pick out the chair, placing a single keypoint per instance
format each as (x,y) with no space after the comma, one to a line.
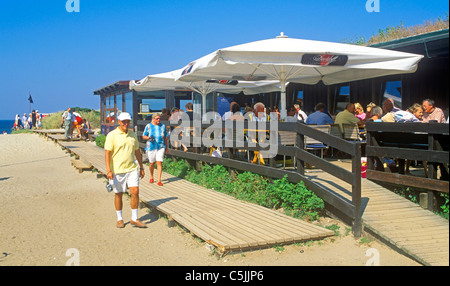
(335,130)
(351,132)
(239,137)
(287,138)
(313,144)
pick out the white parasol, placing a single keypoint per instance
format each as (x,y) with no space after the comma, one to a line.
(166,81)
(302,61)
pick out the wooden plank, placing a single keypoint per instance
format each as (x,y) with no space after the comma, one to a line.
(203,232)
(255,208)
(253,213)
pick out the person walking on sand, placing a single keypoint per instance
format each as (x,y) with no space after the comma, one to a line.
(121,151)
(156,135)
(66,120)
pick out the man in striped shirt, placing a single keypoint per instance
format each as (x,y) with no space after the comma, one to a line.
(156,135)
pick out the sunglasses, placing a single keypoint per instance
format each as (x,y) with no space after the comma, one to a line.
(157,118)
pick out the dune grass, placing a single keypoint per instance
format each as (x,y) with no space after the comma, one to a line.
(400,31)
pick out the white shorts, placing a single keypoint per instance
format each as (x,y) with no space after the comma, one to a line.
(120,182)
(156,155)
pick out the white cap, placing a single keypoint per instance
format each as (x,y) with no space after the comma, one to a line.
(124,116)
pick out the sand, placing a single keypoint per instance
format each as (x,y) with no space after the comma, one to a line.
(51,215)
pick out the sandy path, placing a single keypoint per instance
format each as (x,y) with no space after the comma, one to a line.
(47,207)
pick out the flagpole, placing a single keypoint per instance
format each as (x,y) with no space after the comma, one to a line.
(29,100)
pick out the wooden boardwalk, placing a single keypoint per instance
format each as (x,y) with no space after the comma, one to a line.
(400,223)
(220,220)
(230,224)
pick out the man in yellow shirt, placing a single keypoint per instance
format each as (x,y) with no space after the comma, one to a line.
(121,150)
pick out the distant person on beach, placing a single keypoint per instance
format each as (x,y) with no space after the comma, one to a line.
(16,122)
(431,112)
(24,121)
(76,123)
(38,123)
(30,122)
(33,119)
(85,129)
(155,134)
(121,153)
(66,121)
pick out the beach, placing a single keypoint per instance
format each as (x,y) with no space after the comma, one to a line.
(49,211)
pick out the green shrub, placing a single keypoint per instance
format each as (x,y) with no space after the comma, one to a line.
(444,207)
(100,140)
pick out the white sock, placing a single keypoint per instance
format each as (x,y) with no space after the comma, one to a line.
(119,215)
(134,214)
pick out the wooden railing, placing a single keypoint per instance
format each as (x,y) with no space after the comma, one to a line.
(351,209)
(426,142)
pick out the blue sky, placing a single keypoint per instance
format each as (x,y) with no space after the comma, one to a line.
(61,57)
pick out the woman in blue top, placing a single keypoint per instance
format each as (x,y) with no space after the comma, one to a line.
(156,135)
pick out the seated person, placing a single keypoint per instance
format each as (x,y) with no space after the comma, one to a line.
(431,112)
(291,114)
(319,117)
(389,111)
(165,114)
(376,113)
(360,111)
(348,117)
(413,114)
(85,129)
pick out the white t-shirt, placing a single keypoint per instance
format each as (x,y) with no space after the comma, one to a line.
(301,114)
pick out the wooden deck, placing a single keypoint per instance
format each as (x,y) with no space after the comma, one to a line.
(400,223)
(56,134)
(230,224)
(220,220)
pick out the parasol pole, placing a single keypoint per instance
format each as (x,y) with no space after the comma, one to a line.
(283,112)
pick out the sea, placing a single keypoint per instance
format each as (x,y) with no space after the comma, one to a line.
(6,125)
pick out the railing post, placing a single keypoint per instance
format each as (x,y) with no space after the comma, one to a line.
(432,174)
(301,145)
(356,190)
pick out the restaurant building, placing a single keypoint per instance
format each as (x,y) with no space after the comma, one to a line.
(429,81)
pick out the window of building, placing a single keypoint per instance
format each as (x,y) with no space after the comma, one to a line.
(119,102)
(155,99)
(393,91)
(342,98)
